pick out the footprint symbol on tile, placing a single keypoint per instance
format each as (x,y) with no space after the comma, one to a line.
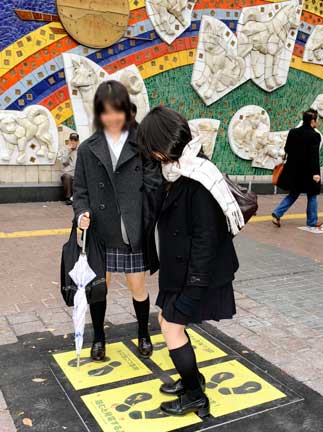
(218,379)
(132,400)
(83,362)
(246,388)
(158,346)
(105,370)
(152,414)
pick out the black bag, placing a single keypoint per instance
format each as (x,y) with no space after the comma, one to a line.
(247,201)
(96,291)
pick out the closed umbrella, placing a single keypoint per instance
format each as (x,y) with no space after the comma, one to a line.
(82,275)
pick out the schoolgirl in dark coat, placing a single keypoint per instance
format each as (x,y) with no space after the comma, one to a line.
(108,196)
(193,250)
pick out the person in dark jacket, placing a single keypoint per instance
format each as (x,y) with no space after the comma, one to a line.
(301,173)
(188,239)
(108,195)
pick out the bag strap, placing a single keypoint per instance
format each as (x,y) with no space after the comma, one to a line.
(73,234)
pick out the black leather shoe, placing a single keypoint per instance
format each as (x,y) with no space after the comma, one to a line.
(98,351)
(184,405)
(177,389)
(145,347)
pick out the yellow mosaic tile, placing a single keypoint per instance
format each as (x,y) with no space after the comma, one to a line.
(167,62)
(136,4)
(62,112)
(313,69)
(312,6)
(28,45)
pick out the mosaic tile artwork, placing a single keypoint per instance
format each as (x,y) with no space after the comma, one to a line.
(32,71)
(313,52)
(170,18)
(261,50)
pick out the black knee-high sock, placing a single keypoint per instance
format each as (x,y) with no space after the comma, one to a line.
(142,314)
(185,363)
(97,314)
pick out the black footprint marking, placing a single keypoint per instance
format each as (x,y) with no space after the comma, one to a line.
(105,369)
(152,414)
(83,361)
(246,388)
(218,379)
(132,400)
(158,346)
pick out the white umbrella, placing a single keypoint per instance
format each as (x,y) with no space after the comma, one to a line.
(82,275)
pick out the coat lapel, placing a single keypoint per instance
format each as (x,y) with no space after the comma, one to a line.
(173,194)
(99,147)
(129,150)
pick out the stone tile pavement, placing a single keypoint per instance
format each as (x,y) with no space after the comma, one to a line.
(279,292)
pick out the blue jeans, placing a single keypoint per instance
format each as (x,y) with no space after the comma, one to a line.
(289,200)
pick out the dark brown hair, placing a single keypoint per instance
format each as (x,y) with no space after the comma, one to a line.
(116,95)
(309,115)
(164,131)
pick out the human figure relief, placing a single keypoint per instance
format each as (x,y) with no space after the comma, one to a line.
(86,81)
(136,88)
(221,69)
(265,41)
(314,46)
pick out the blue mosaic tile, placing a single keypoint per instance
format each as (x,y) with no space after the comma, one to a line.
(12,27)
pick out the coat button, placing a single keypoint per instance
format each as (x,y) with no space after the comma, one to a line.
(117,172)
(102,206)
(175,204)
(137,168)
(99,163)
(101,185)
(179,258)
(175,233)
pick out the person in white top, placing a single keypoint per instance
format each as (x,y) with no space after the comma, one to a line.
(108,199)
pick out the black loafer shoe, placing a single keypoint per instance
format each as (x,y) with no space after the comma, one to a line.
(145,347)
(176,388)
(98,351)
(183,405)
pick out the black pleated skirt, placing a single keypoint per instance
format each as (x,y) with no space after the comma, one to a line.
(217,304)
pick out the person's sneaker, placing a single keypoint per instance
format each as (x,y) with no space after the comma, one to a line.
(276,220)
(69,201)
(318,226)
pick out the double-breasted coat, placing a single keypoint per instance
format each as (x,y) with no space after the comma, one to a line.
(195,247)
(109,194)
(303,161)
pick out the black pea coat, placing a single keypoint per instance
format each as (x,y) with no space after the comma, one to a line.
(303,161)
(106,194)
(195,247)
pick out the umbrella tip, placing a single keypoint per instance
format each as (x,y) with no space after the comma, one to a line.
(78,361)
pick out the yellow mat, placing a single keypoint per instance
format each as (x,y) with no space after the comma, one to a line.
(120,364)
(232,387)
(204,350)
(134,408)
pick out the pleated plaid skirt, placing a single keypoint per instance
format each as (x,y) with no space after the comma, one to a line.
(125,261)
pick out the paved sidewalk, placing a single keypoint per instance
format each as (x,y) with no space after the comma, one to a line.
(279,289)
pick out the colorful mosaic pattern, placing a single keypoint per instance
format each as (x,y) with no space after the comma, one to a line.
(31,68)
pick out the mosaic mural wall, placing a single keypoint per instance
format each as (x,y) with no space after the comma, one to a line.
(32,41)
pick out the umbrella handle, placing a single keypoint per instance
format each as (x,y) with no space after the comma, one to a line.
(84,241)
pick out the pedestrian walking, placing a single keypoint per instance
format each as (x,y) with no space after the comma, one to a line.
(190,242)
(301,172)
(108,195)
(68,160)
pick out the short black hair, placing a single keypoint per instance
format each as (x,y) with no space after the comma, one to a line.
(116,95)
(133,108)
(309,115)
(165,131)
(74,136)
